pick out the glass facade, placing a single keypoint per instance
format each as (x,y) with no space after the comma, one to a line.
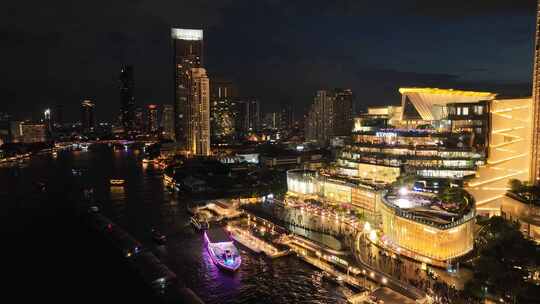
(187,47)
(440,243)
(331,190)
(302,182)
(384,154)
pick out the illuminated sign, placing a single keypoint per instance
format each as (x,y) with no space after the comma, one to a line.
(186,34)
(386,134)
(338,260)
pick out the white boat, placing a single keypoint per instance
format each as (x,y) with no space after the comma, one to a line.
(222,250)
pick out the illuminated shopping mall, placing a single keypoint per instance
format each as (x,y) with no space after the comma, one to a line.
(436,138)
(308,184)
(426,227)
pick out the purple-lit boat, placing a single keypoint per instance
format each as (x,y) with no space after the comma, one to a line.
(221,249)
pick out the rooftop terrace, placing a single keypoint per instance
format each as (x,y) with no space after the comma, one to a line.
(438,211)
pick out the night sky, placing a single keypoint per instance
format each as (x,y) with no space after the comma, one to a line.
(59,52)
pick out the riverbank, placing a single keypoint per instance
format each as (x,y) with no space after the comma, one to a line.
(142,204)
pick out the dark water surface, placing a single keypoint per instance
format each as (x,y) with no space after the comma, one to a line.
(145,203)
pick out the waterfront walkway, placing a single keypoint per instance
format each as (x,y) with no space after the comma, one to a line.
(392,282)
(327,221)
(330,269)
(371,277)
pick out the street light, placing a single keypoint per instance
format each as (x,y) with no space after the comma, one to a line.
(367,227)
(403,191)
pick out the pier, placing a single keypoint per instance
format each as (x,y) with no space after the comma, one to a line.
(255,244)
(327,263)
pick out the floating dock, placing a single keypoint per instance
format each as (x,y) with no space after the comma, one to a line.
(255,244)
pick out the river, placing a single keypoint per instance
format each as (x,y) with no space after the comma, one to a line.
(144,203)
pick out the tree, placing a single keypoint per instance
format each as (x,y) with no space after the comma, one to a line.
(504,260)
(453,195)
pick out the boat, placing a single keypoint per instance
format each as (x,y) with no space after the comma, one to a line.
(93,209)
(117,182)
(199,222)
(222,250)
(41,186)
(158,237)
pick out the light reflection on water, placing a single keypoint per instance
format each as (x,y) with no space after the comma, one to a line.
(144,203)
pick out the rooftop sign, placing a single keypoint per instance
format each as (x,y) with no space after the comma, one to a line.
(186,34)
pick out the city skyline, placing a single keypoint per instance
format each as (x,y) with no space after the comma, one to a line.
(273,151)
(353,55)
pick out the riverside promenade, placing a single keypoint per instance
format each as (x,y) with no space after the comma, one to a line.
(345,228)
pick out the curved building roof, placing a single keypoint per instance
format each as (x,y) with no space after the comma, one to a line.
(427,103)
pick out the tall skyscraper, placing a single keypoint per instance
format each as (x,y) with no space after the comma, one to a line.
(329,115)
(198,113)
(127,100)
(271,121)
(535,159)
(187,47)
(248,117)
(5,128)
(167,121)
(254,115)
(47,119)
(343,112)
(138,122)
(320,118)
(87,115)
(58,116)
(152,118)
(285,124)
(222,110)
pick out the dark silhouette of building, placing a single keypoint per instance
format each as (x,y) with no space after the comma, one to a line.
(5,128)
(127,100)
(167,121)
(87,116)
(187,45)
(138,123)
(285,124)
(249,115)
(58,116)
(329,115)
(343,112)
